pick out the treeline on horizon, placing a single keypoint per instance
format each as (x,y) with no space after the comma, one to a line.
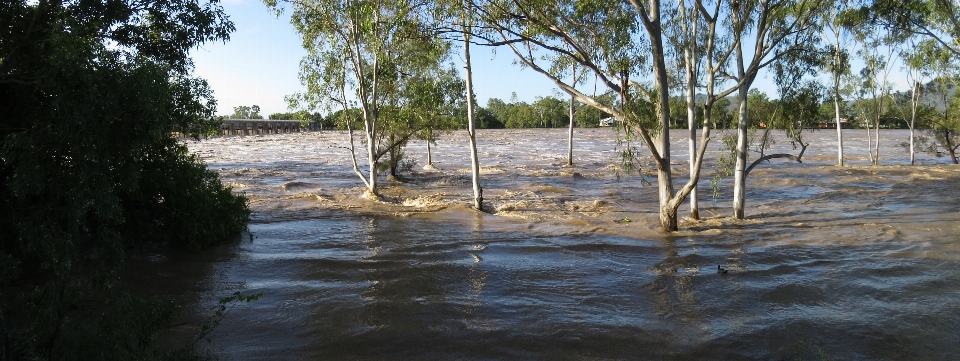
(552,112)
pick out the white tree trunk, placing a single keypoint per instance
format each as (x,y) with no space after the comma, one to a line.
(876,144)
(914,102)
(740,166)
(870,144)
(690,58)
(471,128)
(668,211)
(836,111)
(739,174)
(570,134)
(371,156)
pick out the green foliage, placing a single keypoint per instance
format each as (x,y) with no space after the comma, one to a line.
(382,57)
(639,114)
(90,94)
(341,118)
(933,20)
(545,112)
(943,129)
(487,120)
(725,163)
(184,204)
(245,112)
(303,116)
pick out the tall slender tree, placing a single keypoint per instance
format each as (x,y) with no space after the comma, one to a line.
(914,64)
(836,59)
(467,26)
(685,44)
(879,52)
(779,27)
(942,90)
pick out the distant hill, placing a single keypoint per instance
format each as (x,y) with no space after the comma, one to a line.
(930,95)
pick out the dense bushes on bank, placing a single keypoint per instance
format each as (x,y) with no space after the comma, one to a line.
(90,93)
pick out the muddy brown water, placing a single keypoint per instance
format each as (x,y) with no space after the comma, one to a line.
(856,263)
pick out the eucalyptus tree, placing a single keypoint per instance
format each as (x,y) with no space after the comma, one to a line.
(717,50)
(686,37)
(603,38)
(363,52)
(879,52)
(457,25)
(419,100)
(778,28)
(936,20)
(463,16)
(572,112)
(434,100)
(919,68)
(944,127)
(836,60)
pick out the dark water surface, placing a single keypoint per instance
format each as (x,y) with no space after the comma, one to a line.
(858,263)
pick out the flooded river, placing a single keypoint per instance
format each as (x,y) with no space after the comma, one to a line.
(854,263)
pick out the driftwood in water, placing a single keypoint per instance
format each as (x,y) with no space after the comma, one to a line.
(798,158)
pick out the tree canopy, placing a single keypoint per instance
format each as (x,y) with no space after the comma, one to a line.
(90,94)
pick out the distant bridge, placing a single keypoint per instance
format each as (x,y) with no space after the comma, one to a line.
(258,126)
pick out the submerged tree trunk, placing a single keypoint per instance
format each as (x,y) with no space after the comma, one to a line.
(372,163)
(668,211)
(368,102)
(620,82)
(471,128)
(570,134)
(798,158)
(739,171)
(876,144)
(947,139)
(392,153)
(914,103)
(429,155)
(836,110)
(690,59)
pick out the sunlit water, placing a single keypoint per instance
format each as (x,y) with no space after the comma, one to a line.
(856,263)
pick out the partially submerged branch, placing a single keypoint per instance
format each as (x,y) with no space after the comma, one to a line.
(797,158)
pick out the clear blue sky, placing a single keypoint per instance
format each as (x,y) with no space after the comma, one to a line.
(260,65)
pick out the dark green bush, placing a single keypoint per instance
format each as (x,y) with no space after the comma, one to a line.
(90,93)
(183,203)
